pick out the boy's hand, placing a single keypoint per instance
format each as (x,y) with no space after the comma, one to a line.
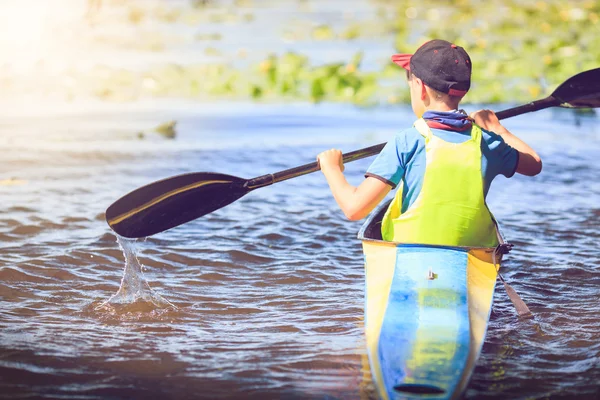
(331,159)
(488,120)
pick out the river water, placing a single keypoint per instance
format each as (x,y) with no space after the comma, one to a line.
(264,298)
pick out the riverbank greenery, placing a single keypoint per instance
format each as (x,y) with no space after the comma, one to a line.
(520,50)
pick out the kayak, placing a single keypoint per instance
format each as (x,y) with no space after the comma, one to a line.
(426,313)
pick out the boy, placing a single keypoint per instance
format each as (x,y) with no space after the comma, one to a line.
(446,162)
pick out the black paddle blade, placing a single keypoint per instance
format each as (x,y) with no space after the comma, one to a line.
(580,91)
(170,202)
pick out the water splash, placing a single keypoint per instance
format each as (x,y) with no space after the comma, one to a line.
(135,293)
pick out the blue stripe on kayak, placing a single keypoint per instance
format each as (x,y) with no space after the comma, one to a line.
(425,336)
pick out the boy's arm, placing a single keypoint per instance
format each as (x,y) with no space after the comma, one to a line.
(530,163)
(355,202)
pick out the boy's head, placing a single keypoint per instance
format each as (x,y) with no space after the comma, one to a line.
(438,72)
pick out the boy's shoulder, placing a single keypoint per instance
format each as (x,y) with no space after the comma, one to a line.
(492,139)
(408,134)
(408,139)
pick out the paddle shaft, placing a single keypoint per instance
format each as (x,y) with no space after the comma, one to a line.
(269,179)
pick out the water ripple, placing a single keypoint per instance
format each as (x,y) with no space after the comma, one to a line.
(264,299)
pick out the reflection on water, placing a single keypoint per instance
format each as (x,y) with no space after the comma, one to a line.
(264,298)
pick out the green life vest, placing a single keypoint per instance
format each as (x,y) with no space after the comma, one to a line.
(450,208)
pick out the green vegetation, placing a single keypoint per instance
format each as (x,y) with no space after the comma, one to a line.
(167,129)
(520,51)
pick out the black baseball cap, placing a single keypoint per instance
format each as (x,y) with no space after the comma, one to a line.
(441,65)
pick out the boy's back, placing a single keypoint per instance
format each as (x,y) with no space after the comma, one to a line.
(403,158)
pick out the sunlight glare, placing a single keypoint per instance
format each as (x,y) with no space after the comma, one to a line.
(29,28)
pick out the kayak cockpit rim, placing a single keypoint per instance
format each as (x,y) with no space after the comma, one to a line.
(371,232)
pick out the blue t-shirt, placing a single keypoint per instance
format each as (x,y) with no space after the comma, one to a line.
(403,159)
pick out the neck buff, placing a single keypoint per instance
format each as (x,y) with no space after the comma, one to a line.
(449,120)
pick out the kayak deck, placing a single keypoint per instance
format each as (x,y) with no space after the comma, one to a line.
(426,313)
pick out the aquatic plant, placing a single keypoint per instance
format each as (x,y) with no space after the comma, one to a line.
(520,51)
(167,129)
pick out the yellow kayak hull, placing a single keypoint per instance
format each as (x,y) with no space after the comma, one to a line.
(426,314)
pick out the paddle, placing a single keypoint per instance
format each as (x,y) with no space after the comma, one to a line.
(173,201)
